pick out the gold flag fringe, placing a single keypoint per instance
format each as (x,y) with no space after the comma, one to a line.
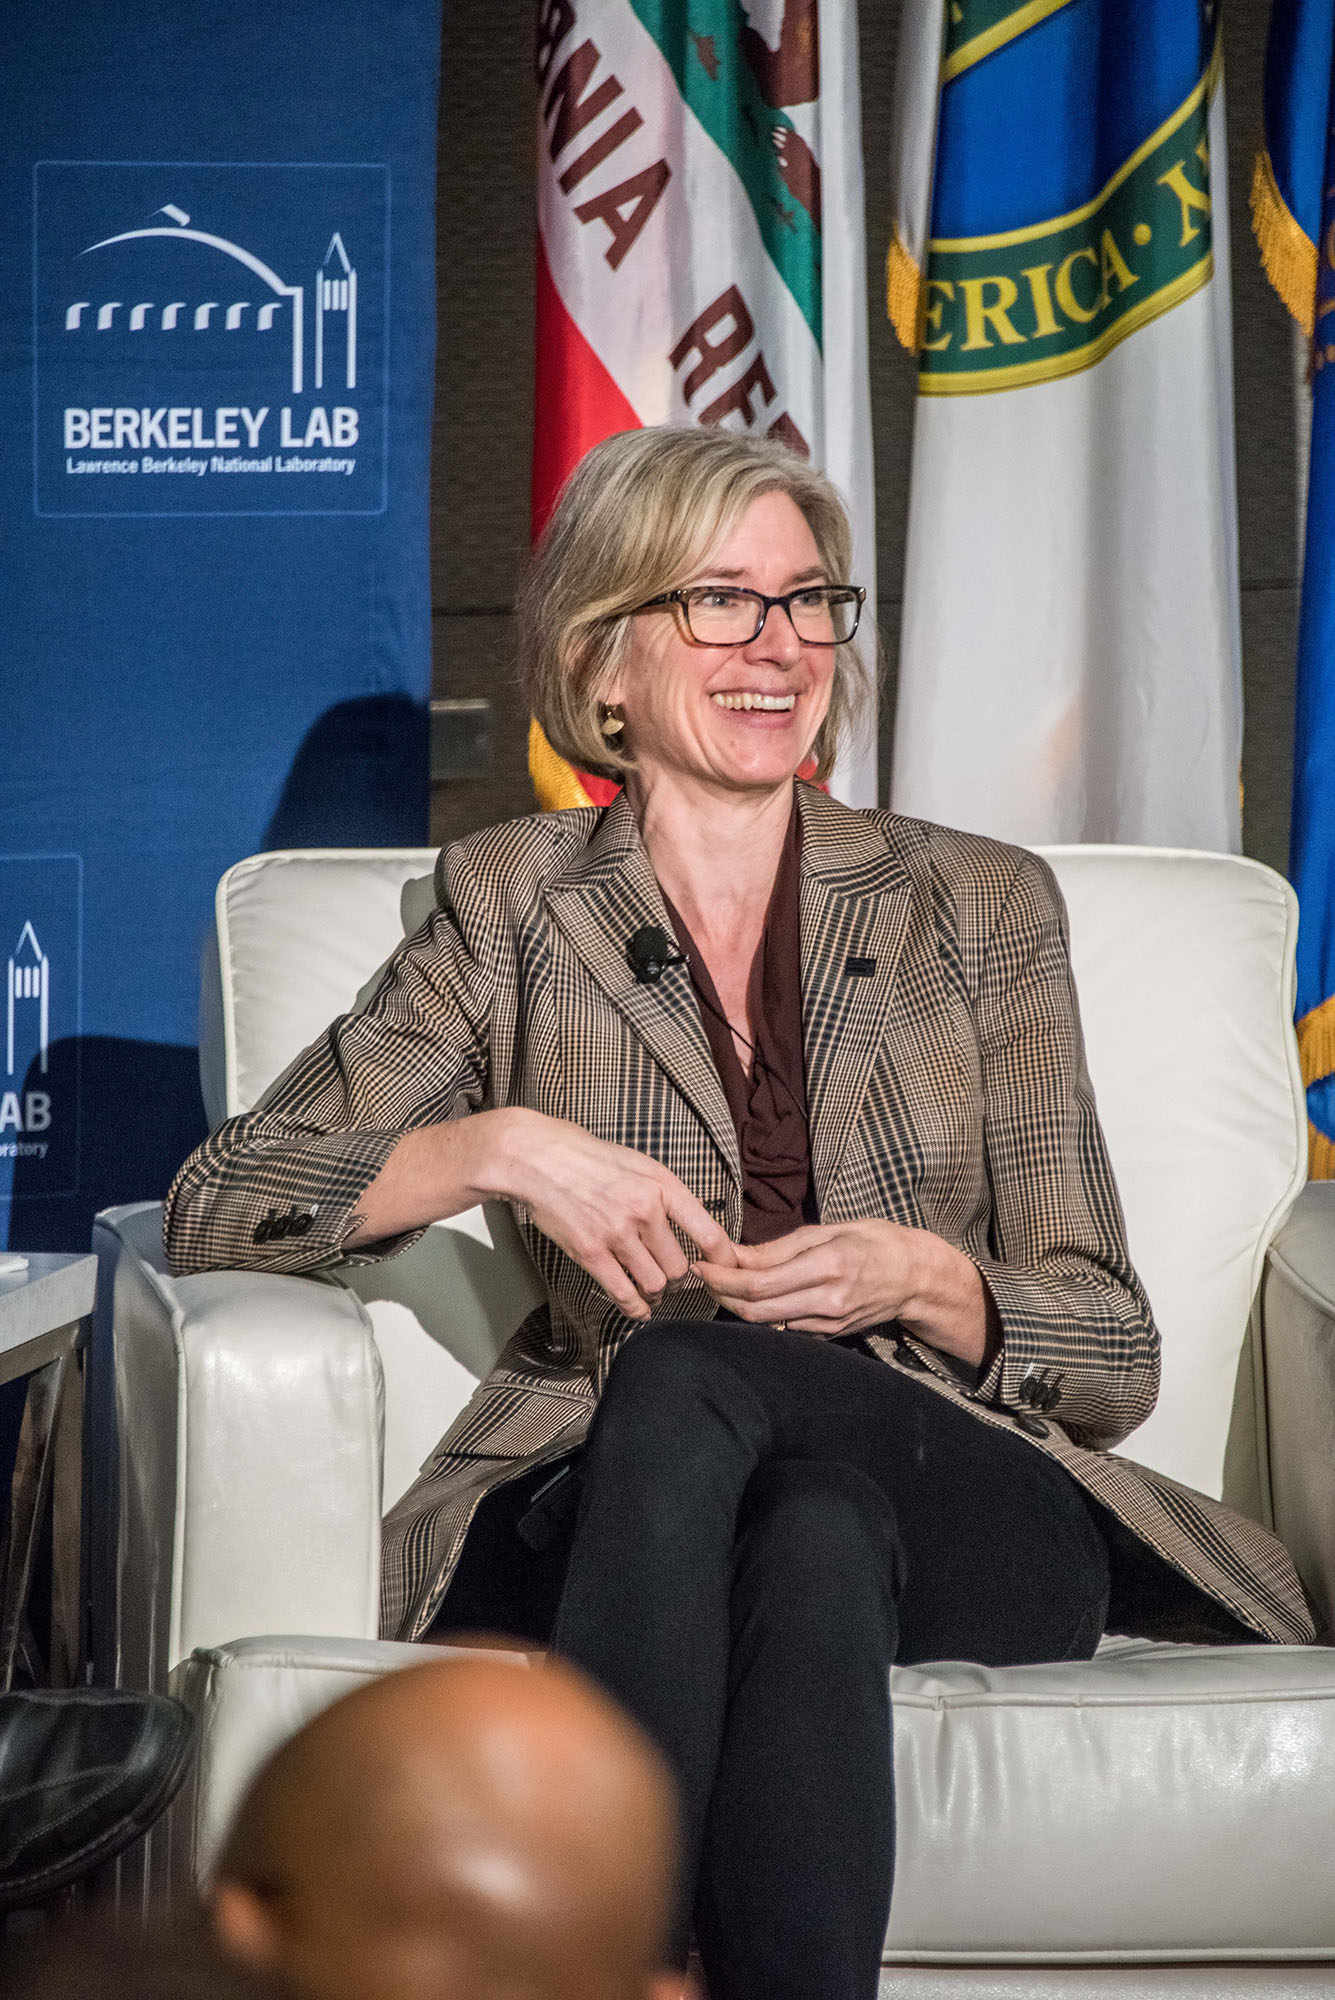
(904,293)
(1316,1052)
(555,783)
(1320,1155)
(1316,1042)
(1287,251)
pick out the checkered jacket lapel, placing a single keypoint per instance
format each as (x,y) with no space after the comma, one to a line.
(855,902)
(608,892)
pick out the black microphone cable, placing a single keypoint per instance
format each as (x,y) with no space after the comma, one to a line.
(650,953)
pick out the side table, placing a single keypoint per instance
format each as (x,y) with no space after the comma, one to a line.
(44,1327)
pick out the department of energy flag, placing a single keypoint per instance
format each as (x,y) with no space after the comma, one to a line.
(700,252)
(1069,663)
(1293,207)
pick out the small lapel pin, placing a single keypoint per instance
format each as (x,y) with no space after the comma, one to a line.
(859,968)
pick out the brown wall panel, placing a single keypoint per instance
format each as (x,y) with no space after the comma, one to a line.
(1264,394)
(484,387)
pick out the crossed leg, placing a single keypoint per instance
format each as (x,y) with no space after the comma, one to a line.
(768,1522)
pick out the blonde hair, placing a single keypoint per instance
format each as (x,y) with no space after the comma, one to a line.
(637,516)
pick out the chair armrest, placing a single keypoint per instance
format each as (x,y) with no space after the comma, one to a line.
(1298,1335)
(249,1415)
(247,1699)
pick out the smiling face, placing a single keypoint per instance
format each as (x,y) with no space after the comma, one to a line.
(736,718)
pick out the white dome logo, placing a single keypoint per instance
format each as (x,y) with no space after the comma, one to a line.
(335,295)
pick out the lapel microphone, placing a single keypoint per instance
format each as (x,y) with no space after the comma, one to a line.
(649,953)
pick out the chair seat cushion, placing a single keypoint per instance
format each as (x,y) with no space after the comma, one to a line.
(1155,1803)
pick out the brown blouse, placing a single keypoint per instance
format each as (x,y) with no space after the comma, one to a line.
(768,1106)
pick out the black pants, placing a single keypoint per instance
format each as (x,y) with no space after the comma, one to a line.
(767,1522)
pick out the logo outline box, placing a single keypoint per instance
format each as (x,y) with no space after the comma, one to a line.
(380,168)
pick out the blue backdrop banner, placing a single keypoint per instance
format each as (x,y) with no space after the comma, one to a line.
(217,300)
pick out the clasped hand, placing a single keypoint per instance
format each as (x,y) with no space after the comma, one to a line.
(614,1211)
(827,1279)
(611,1209)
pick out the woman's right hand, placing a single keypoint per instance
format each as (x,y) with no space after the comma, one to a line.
(608,1207)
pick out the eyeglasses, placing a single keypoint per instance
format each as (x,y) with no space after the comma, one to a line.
(712,614)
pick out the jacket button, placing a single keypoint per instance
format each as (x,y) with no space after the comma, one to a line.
(911,1358)
(1035,1426)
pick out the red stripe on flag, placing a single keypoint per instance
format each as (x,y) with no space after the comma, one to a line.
(577,403)
(601,791)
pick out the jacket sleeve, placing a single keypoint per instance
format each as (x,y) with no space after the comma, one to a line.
(279,1188)
(1073,1312)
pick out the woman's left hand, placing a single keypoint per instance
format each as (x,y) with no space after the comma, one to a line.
(842,1277)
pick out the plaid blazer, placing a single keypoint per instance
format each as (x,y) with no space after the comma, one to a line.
(948,1091)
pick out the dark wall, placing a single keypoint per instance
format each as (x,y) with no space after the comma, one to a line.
(484,404)
(1270,404)
(484,386)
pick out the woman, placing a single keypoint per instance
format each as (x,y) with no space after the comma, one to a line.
(799,1092)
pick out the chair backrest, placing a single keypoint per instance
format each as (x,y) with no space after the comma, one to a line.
(1184,964)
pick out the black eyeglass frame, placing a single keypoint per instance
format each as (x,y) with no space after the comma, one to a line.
(680,602)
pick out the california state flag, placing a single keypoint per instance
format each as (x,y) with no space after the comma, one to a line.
(1069,660)
(700,251)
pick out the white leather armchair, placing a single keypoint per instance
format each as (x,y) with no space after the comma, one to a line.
(1159,1807)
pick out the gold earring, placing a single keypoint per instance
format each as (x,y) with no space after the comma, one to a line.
(612,724)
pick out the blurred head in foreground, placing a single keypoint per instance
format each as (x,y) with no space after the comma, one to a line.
(470,1828)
